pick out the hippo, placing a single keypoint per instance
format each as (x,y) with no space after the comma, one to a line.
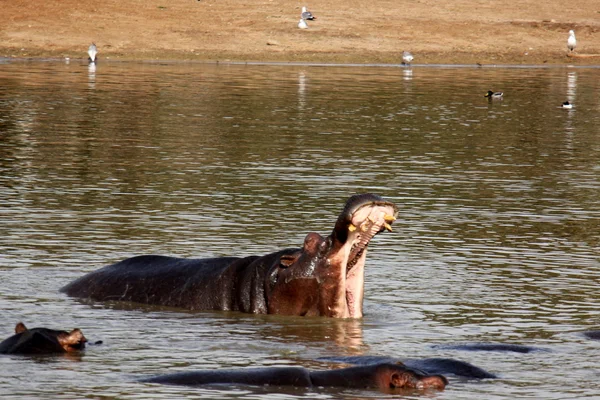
(504,347)
(595,335)
(450,366)
(323,278)
(427,366)
(385,376)
(42,341)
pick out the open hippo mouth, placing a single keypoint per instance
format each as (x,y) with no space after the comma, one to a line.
(363,217)
(363,229)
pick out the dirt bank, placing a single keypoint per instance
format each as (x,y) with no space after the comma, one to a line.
(435,31)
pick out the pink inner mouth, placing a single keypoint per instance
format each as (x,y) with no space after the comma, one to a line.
(366,222)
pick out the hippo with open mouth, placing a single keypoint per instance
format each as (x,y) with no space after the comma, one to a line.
(325,277)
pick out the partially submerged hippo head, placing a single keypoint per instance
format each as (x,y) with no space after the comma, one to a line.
(42,341)
(332,267)
(398,376)
(386,377)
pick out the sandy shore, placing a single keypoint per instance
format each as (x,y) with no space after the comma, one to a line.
(435,31)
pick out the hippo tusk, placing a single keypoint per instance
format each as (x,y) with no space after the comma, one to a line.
(365,226)
(387,226)
(389,218)
(351,227)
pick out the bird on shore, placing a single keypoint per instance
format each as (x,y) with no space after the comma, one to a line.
(92,51)
(567,105)
(407,58)
(302,24)
(307,15)
(494,95)
(571,41)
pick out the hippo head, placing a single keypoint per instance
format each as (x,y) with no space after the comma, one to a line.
(72,341)
(69,341)
(326,276)
(398,376)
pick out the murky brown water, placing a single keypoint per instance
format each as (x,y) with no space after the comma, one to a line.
(497,240)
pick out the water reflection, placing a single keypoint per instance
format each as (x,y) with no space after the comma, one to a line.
(343,336)
(571,86)
(301,90)
(92,75)
(497,238)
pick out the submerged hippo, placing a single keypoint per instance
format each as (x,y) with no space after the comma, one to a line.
(385,377)
(504,347)
(449,366)
(324,277)
(428,366)
(42,341)
(595,335)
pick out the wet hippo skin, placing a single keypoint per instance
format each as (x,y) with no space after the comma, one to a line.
(449,366)
(429,366)
(595,335)
(42,341)
(325,277)
(384,377)
(505,347)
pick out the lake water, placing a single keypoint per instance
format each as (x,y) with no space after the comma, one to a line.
(497,239)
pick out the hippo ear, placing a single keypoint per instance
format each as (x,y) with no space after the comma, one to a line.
(20,328)
(287,259)
(397,380)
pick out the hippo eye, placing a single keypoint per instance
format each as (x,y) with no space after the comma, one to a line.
(287,260)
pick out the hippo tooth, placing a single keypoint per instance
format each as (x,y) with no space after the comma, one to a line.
(388,227)
(351,227)
(389,218)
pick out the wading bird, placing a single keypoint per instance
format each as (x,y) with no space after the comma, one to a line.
(92,51)
(571,41)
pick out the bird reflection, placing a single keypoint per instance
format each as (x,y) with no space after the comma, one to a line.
(571,86)
(301,90)
(92,75)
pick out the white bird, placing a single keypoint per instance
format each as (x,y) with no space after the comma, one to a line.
(302,24)
(571,41)
(92,51)
(567,105)
(307,14)
(407,57)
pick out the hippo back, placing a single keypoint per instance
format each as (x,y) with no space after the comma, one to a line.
(168,281)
